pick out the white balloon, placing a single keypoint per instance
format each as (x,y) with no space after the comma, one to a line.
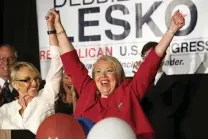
(111,128)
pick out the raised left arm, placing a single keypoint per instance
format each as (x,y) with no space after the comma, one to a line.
(53,79)
(148,69)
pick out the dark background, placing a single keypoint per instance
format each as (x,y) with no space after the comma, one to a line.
(18,27)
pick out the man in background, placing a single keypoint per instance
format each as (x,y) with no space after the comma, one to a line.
(8,56)
(163,100)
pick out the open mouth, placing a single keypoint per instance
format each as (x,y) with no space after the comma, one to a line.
(5,68)
(104,82)
(34,88)
(68,85)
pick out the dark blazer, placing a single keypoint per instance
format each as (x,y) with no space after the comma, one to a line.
(162,102)
(194,112)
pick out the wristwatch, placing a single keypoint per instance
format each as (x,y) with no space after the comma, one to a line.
(51,32)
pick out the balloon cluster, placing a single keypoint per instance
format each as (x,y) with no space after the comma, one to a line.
(63,126)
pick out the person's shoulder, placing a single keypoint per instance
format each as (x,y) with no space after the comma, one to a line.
(38,99)
(41,93)
(9,106)
(125,82)
(40,102)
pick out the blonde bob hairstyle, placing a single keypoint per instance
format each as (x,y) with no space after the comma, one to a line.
(120,75)
(15,68)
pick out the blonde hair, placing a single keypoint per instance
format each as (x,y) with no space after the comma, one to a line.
(116,65)
(14,69)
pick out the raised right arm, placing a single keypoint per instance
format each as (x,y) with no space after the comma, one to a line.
(72,65)
(64,43)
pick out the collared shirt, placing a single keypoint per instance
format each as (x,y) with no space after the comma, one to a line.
(40,106)
(2,81)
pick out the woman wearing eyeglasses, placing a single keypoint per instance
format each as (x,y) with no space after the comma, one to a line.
(32,105)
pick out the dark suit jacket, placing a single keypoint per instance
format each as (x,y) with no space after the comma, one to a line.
(162,102)
(194,112)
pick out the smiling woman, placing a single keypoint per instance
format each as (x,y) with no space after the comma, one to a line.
(25,78)
(108,74)
(108,93)
(33,105)
(67,97)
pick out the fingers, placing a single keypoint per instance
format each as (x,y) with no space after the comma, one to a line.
(179,18)
(176,12)
(51,13)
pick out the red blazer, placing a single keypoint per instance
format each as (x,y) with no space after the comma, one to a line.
(123,103)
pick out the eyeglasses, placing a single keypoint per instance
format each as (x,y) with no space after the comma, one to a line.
(8,59)
(29,80)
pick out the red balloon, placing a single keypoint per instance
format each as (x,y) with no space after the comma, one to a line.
(61,126)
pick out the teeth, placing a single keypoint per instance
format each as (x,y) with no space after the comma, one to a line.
(5,68)
(104,82)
